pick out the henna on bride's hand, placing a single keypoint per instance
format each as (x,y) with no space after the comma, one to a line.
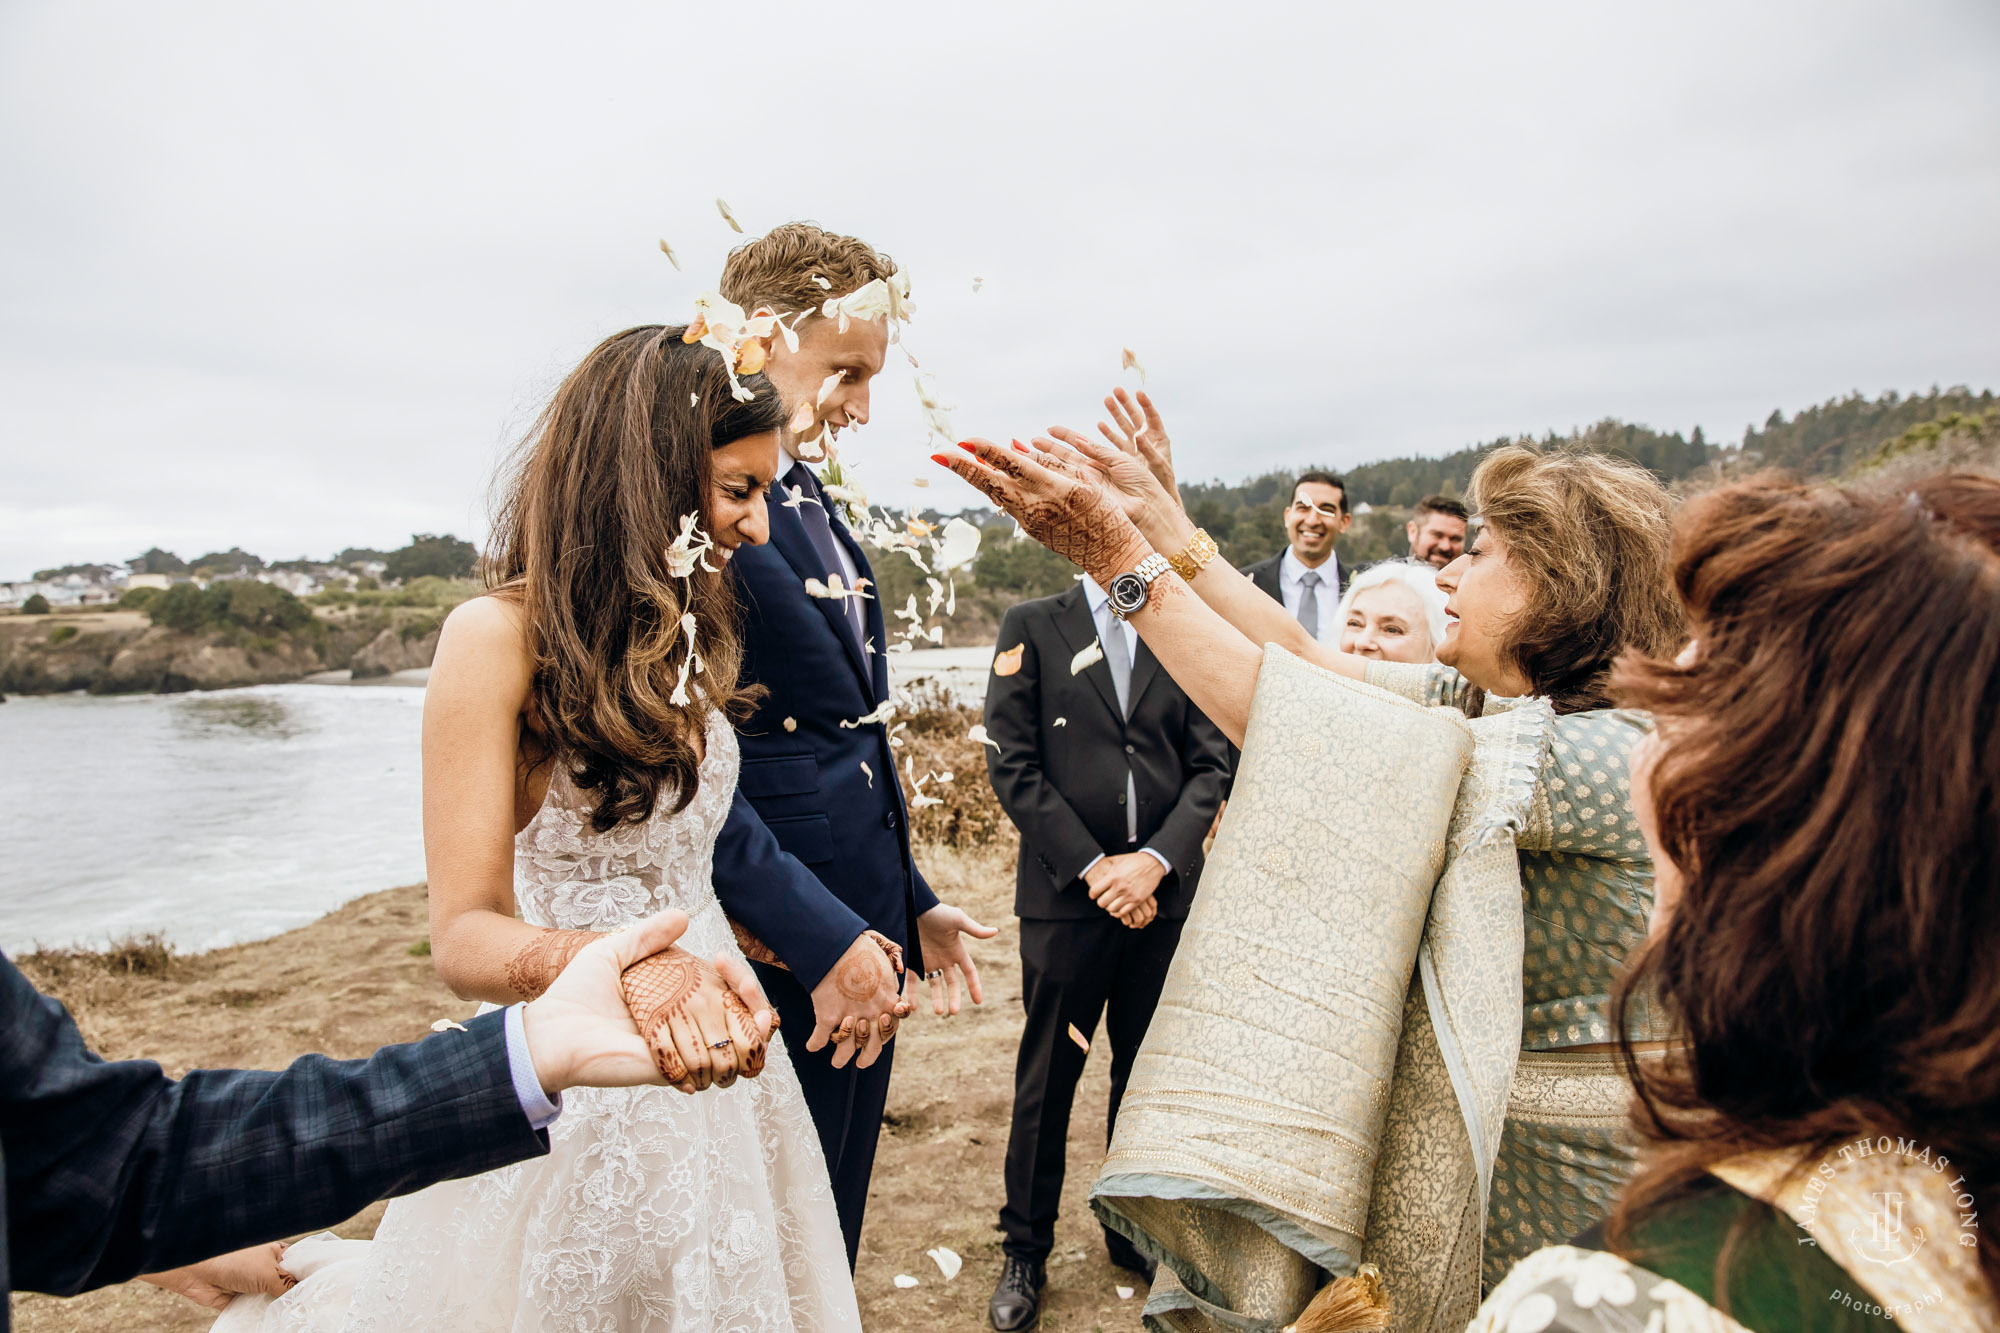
(751,1054)
(541,960)
(886,1025)
(657,988)
(895,951)
(857,978)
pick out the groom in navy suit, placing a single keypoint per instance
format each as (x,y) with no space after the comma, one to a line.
(817,847)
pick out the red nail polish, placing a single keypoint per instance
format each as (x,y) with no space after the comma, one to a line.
(968,448)
(941,460)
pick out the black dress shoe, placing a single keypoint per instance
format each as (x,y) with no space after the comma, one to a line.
(1017,1301)
(1126,1255)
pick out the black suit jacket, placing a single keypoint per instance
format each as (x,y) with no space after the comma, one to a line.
(1064,786)
(114,1169)
(1265,575)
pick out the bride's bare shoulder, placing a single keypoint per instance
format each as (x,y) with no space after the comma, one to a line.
(484,642)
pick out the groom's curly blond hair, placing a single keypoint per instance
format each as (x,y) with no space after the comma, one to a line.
(777,269)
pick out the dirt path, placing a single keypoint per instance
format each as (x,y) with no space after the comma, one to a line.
(348,983)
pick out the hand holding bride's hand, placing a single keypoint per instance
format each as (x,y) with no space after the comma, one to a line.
(1058,501)
(215,1282)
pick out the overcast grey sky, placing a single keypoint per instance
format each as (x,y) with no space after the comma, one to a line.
(294,276)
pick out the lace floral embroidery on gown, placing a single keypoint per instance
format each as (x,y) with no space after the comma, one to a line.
(654,1211)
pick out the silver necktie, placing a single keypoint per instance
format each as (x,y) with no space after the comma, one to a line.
(1309,602)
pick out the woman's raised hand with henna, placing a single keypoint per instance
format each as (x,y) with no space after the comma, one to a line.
(1057,501)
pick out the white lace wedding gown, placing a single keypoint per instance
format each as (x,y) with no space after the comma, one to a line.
(654,1210)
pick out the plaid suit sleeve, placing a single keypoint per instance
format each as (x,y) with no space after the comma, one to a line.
(113,1169)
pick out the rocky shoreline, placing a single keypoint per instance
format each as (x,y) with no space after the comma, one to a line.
(121,653)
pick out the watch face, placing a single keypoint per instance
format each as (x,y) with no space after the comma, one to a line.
(1127,593)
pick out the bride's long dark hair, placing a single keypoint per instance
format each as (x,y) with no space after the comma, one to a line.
(590,505)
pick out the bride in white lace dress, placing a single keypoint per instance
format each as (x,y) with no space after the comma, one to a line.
(578,764)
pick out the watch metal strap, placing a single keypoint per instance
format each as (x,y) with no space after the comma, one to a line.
(1152,567)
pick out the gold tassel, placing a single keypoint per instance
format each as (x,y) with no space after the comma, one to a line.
(1346,1305)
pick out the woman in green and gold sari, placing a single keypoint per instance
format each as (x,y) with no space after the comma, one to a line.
(1823,800)
(1568,572)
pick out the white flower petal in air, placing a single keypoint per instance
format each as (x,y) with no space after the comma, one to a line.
(1124,1293)
(1060,722)
(849,495)
(944,777)
(936,635)
(947,1262)
(804,419)
(729,217)
(668,251)
(823,284)
(909,611)
(937,595)
(790,334)
(921,483)
(883,712)
(826,388)
(905,1281)
(918,801)
(811,452)
(791,724)
(1131,362)
(957,545)
(796,496)
(1077,1037)
(977,283)
(679,698)
(1091,652)
(870,774)
(447,1025)
(978,733)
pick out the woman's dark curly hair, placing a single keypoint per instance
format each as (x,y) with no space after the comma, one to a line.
(597,495)
(1828,788)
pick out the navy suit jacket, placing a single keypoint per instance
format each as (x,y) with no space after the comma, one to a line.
(817,845)
(114,1169)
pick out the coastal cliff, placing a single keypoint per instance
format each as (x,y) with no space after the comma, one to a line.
(114,653)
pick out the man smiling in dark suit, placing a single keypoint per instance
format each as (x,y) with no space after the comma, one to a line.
(817,848)
(1113,778)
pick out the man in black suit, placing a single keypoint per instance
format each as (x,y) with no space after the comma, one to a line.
(1113,778)
(1306,576)
(112,1169)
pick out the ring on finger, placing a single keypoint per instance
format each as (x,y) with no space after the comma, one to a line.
(935,974)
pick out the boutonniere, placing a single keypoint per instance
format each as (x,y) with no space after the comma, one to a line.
(845,492)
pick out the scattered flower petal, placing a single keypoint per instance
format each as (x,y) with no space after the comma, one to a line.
(804,419)
(1060,722)
(728,216)
(905,1281)
(883,712)
(1077,1037)
(1124,1293)
(977,283)
(824,285)
(668,251)
(1131,362)
(978,733)
(689,551)
(791,724)
(870,774)
(921,483)
(1009,662)
(958,545)
(796,496)
(947,1262)
(1092,652)
(827,386)
(447,1025)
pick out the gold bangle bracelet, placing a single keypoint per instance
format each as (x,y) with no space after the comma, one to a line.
(1201,549)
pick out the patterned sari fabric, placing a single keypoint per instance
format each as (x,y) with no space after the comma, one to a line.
(1587,891)
(1325,1080)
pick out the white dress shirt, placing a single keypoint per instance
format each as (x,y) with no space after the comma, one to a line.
(1290,570)
(1108,623)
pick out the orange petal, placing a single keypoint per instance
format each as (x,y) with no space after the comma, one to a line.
(696,331)
(1009,662)
(750,357)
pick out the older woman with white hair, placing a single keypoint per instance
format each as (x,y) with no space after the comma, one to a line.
(1393,612)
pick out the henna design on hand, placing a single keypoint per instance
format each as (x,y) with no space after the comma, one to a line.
(856,977)
(657,989)
(541,960)
(886,1026)
(753,948)
(752,1050)
(895,951)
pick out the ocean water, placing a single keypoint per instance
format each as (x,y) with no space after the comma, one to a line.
(231,815)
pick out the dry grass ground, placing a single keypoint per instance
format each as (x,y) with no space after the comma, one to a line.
(348,983)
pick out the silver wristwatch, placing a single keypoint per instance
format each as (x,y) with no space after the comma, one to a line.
(1128,592)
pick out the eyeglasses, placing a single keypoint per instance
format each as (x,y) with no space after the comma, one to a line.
(1331,513)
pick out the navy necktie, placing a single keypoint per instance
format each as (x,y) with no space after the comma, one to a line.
(819,531)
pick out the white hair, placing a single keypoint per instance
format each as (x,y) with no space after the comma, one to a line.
(1418,577)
